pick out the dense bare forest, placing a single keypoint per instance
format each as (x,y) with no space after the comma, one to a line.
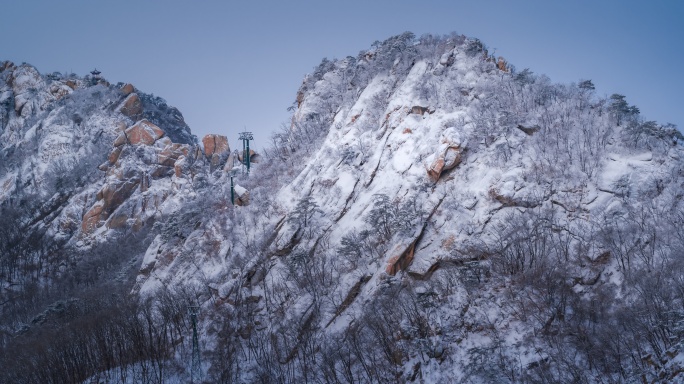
(430,214)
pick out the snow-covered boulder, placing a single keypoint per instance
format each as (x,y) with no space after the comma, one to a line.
(143,132)
(131,107)
(447,156)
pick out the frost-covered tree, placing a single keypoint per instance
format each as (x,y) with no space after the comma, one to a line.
(304,212)
(586,85)
(620,109)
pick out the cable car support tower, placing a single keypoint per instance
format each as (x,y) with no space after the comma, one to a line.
(246,137)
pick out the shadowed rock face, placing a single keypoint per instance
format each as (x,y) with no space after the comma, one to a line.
(84,165)
(137,105)
(142,158)
(127,89)
(134,138)
(169,118)
(91,220)
(132,107)
(110,198)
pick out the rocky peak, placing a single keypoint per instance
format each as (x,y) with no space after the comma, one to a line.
(75,124)
(427,207)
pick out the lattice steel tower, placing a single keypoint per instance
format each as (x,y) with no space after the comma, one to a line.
(246,137)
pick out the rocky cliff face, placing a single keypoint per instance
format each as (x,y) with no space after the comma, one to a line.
(431,215)
(86,170)
(451,217)
(55,128)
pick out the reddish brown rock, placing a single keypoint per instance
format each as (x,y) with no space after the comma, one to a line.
(179,166)
(446,160)
(184,148)
(71,84)
(92,218)
(132,107)
(127,89)
(110,197)
(403,257)
(171,153)
(448,157)
(118,220)
(114,194)
(208,142)
(120,140)
(435,169)
(143,132)
(114,156)
(216,149)
(502,65)
(215,144)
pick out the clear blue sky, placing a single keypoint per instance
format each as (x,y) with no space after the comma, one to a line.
(231,65)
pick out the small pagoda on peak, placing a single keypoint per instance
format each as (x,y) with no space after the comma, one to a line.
(96,78)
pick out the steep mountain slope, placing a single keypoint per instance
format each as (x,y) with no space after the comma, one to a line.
(86,170)
(439,217)
(454,220)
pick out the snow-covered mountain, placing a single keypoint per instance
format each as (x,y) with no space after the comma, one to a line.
(432,214)
(86,170)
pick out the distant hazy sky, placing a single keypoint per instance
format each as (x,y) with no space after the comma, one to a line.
(230,66)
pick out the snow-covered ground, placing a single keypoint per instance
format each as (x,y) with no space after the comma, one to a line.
(430,216)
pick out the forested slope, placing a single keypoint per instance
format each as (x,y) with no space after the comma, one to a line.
(430,214)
